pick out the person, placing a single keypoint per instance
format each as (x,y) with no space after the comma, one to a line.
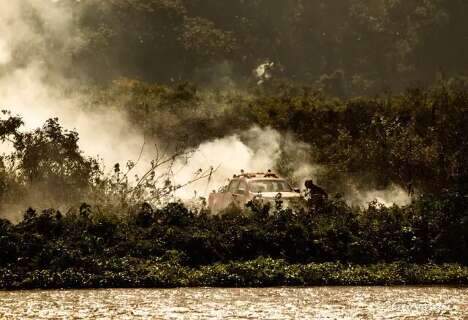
(316,195)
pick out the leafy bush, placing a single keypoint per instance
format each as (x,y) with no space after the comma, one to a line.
(255,273)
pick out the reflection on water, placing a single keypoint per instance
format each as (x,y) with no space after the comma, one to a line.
(273,303)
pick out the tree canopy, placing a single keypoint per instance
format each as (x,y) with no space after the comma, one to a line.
(348,47)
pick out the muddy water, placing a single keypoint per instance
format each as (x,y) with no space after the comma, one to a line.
(275,303)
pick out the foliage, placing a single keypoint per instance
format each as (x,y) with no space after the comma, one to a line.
(47,169)
(347,48)
(122,241)
(414,139)
(261,272)
(46,166)
(329,59)
(431,230)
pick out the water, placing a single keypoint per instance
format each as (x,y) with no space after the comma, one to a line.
(274,303)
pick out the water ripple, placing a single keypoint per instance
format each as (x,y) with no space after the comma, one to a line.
(271,303)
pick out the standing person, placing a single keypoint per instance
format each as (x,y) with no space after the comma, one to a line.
(316,195)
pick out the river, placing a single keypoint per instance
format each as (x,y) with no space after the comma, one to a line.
(269,303)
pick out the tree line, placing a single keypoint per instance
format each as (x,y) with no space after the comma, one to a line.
(347,48)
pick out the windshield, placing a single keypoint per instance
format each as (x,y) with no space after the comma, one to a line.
(259,186)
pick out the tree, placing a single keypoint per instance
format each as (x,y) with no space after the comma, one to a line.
(47,164)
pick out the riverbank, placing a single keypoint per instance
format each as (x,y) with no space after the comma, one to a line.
(262,272)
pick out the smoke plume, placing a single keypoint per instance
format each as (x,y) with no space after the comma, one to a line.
(32,84)
(255,150)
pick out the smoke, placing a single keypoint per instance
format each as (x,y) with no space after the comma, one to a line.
(393,195)
(34,31)
(255,150)
(32,85)
(5,54)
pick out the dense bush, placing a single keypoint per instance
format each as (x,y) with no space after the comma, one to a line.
(261,272)
(172,241)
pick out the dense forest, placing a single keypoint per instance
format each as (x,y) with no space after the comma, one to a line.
(376,91)
(348,48)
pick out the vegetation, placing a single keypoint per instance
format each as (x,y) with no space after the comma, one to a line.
(173,246)
(414,140)
(344,47)
(134,273)
(348,79)
(347,48)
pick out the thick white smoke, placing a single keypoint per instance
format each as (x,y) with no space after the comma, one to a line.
(104,132)
(255,150)
(30,88)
